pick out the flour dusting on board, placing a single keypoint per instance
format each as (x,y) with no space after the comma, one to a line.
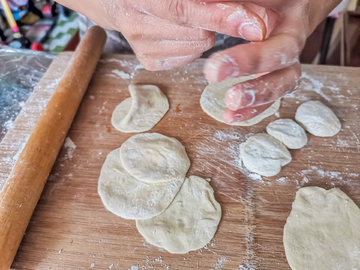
(121,74)
(309,83)
(221,263)
(70,147)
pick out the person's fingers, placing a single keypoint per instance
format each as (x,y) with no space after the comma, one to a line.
(263,90)
(275,53)
(232,19)
(161,49)
(167,63)
(263,3)
(230,116)
(146,27)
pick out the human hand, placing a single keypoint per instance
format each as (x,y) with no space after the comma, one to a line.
(288,24)
(172,33)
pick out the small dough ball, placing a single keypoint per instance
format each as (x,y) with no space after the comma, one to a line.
(189,223)
(264,155)
(288,132)
(322,231)
(153,158)
(130,198)
(212,102)
(142,111)
(317,119)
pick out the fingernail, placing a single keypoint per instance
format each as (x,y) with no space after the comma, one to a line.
(248,98)
(237,118)
(251,30)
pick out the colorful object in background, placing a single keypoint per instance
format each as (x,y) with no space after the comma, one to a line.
(10,19)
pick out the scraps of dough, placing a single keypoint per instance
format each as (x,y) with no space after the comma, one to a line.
(318,119)
(142,111)
(212,102)
(287,131)
(263,154)
(322,231)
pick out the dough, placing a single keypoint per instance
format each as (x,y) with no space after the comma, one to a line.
(288,132)
(212,102)
(189,223)
(130,198)
(142,111)
(317,119)
(264,154)
(153,158)
(322,231)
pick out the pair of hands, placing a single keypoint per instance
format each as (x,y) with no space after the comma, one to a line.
(165,34)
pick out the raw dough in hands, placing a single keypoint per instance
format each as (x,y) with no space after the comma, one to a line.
(317,119)
(142,111)
(288,132)
(189,223)
(322,231)
(212,102)
(153,158)
(129,198)
(264,154)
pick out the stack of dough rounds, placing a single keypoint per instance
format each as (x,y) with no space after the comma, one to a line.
(142,111)
(141,181)
(212,102)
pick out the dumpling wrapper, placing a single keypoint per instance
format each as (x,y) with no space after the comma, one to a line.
(212,102)
(142,111)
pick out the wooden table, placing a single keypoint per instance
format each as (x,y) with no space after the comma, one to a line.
(71,229)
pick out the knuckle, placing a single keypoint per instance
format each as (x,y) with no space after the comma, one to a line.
(178,12)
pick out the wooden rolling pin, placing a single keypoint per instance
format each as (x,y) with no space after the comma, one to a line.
(28,177)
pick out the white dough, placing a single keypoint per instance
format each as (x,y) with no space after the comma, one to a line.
(288,132)
(142,111)
(317,119)
(264,154)
(153,158)
(189,223)
(130,198)
(212,102)
(322,231)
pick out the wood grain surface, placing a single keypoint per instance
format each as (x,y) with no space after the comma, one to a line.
(71,229)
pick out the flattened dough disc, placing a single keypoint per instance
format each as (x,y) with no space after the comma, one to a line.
(130,198)
(322,231)
(212,102)
(142,111)
(153,158)
(189,223)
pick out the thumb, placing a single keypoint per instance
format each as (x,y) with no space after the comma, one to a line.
(228,18)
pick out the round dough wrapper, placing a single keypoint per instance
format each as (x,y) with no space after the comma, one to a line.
(212,102)
(189,223)
(153,158)
(142,111)
(264,154)
(130,198)
(322,231)
(287,131)
(317,119)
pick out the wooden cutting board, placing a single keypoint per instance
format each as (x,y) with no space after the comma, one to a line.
(71,229)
